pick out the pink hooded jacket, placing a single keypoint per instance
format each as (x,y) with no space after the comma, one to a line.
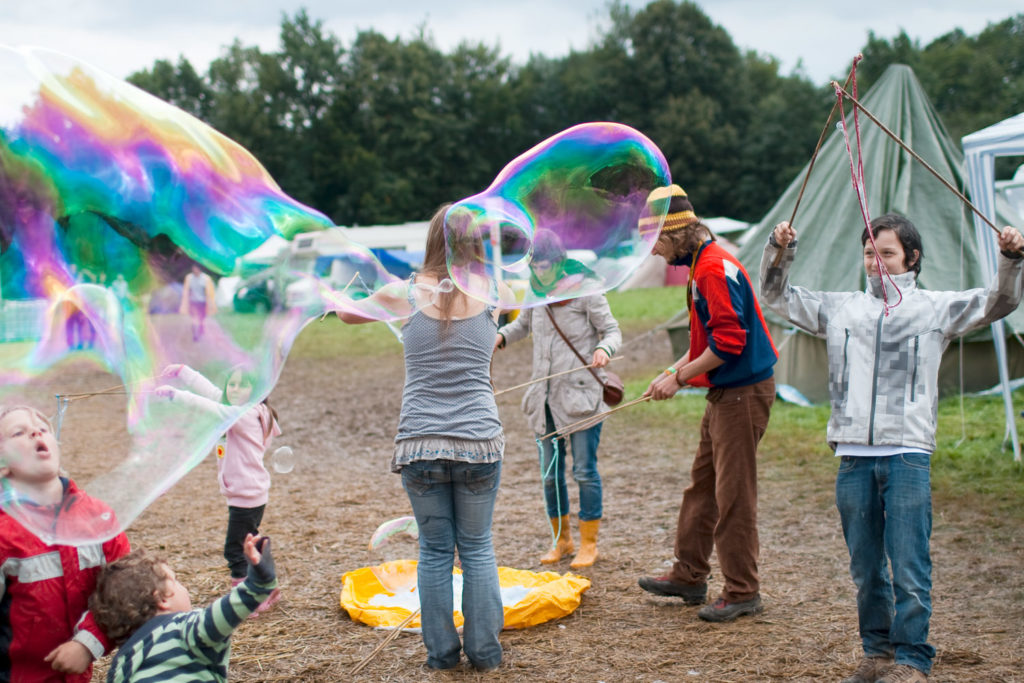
(243,479)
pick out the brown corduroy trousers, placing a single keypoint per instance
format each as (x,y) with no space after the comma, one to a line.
(719,508)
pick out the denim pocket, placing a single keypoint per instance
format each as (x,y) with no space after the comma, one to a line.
(421,475)
(483,478)
(918,461)
(847,463)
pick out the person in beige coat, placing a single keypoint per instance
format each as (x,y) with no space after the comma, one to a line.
(588,323)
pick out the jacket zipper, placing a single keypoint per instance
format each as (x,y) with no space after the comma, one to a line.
(913,375)
(874,378)
(846,356)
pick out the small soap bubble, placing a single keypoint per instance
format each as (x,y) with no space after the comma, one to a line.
(283,460)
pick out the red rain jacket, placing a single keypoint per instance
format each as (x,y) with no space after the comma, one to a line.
(44,592)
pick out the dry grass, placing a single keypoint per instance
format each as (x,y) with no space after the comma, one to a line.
(341,418)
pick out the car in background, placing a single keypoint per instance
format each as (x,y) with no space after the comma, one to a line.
(257,294)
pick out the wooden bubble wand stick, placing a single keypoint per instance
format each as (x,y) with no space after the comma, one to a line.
(341,293)
(557,374)
(391,636)
(594,419)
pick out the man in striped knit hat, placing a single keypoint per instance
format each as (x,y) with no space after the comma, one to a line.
(732,354)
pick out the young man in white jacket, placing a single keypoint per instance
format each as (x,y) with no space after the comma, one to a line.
(884,348)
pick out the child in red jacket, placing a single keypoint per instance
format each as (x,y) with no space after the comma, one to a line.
(46,632)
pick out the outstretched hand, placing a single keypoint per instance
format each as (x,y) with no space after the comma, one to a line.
(165,391)
(251,548)
(261,562)
(783,234)
(172,370)
(662,387)
(71,657)
(1010,240)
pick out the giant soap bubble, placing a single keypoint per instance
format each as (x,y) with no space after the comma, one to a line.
(109,198)
(115,207)
(568,218)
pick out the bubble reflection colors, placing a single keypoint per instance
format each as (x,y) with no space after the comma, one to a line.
(403,525)
(572,204)
(108,197)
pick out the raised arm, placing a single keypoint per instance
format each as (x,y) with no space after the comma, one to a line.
(214,625)
(979,307)
(802,307)
(390,302)
(192,380)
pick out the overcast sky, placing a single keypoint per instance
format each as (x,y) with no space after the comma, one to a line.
(122,36)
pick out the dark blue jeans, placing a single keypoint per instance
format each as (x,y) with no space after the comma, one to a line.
(584,445)
(453,503)
(885,505)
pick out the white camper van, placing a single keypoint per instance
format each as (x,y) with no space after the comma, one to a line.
(328,255)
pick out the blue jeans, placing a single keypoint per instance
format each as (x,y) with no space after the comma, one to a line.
(453,503)
(885,505)
(584,471)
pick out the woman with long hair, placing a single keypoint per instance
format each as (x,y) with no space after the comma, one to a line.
(450,443)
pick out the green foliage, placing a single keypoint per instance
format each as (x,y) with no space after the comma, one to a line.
(973,81)
(384,130)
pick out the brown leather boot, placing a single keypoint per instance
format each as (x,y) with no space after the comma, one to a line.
(588,544)
(563,540)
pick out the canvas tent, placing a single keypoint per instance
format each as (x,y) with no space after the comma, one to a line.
(829,225)
(980,150)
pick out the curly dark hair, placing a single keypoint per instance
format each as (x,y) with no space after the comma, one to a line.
(127,593)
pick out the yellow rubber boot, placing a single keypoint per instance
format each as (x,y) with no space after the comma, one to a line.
(563,540)
(588,544)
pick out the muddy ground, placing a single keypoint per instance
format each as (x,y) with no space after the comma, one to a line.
(341,424)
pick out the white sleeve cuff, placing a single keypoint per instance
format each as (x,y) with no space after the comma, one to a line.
(91,643)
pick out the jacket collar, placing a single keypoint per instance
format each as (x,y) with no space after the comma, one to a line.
(906,282)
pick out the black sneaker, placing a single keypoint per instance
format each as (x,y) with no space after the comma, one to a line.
(720,610)
(692,594)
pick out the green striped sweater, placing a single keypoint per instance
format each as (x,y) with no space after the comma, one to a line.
(188,646)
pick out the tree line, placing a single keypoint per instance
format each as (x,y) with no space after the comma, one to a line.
(383,130)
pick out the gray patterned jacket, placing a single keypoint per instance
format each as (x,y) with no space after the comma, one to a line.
(883,369)
(588,323)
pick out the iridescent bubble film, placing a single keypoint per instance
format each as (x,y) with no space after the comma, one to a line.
(403,525)
(134,238)
(570,217)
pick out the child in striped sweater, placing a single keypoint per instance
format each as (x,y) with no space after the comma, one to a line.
(141,605)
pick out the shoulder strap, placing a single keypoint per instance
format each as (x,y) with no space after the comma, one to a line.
(547,309)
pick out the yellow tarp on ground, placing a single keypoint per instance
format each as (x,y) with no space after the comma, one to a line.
(384,595)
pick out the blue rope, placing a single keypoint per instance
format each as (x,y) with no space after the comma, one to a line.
(543,475)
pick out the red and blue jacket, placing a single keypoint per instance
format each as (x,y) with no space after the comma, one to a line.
(725,316)
(44,591)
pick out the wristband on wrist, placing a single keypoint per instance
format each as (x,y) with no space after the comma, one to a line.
(670,370)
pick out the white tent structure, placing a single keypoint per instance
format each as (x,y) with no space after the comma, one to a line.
(980,150)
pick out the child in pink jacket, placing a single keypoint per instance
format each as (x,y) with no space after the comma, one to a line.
(243,478)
